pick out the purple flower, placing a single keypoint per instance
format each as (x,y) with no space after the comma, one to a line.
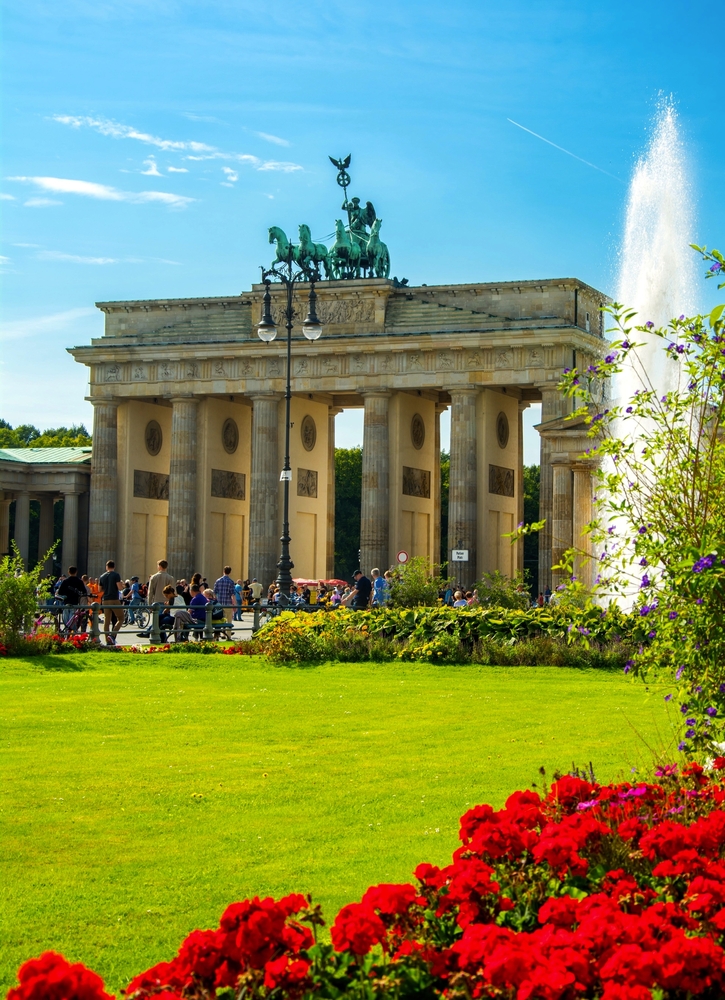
(684,708)
(629,409)
(652,634)
(642,530)
(722,688)
(628,666)
(715,267)
(682,317)
(644,583)
(680,348)
(672,615)
(682,747)
(668,697)
(587,805)
(584,631)
(679,673)
(712,712)
(610,358)
(698,688)
(649,324)
(645,610)
(626,345)
(643,562)
(705,562)
(689,733)
(690,722)
(699,600)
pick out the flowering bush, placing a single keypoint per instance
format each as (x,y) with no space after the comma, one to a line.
(660,503)
(609,891)
(44,641)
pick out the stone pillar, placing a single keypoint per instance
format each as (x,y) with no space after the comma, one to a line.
(520,487)
(561,528)
(181,528)
(330,547)
(436,486)
(463,491)
(375,505)
(553,405)
(103,511)
(5,525)
(45,529)
(83,533)
(264,528)
(582,515)
(22,524)
(70,531)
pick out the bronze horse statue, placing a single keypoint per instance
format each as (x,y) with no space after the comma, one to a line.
(345,254)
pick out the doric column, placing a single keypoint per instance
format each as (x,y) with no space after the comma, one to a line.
(181,527)
(22,524)
(264,528)
(553,405)
(561,524)
(375,500)
(582,515)
(103,512)
(5,525)
(436,485)
(463,490)
(520,487)
(332,412)
(70,530)
(45,529)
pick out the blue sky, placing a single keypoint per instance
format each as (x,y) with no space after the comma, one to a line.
(147,147)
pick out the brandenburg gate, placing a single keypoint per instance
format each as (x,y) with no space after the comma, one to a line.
(189,428)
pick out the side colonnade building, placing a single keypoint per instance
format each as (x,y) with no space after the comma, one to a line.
(188,431)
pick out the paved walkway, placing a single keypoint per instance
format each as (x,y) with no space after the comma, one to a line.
(127,635)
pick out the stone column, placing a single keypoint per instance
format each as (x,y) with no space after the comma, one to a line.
(520,487)
(264,528)
(561,527)
(330,546)
(103,510)
(375,506)
(22,524)
(181,527)
(436,485)
(582,515)
(553,405)
(463,491)
(70,531)
(5,525)
(45,529)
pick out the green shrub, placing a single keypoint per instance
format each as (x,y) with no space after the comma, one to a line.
(416,585)
(498,591)
(20,591)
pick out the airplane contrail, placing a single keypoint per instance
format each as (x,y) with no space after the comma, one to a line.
(567,151)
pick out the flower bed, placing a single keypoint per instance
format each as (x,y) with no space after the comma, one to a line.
(614,892)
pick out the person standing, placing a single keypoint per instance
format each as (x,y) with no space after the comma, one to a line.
(378,582)
(238,600)
(135,601)
(73,592)
(255,589)
(158,581)
(359,596)
(224,592)
(108,584)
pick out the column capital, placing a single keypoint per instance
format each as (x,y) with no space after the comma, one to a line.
(381,392)
(103,401)
(184,398)
(463,390)
(265,395)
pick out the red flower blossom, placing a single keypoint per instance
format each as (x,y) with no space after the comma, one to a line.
(357,928)
(52,977)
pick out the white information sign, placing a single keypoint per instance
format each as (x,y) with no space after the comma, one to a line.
(285,476)
(459,555)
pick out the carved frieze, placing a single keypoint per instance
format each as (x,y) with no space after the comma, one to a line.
(112,373)
(500,481)
(139,372)
(306,483)
(445,361)
(274,367)
(229,485)
(192,369)
(219,369)
(150,485)
(166,371)
(416,483)
(504,358)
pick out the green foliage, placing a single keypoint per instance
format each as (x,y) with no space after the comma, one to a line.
(498,591)
(445,490)
(28,436)
(415,584)
(660,504)
(348,490)
(20,592)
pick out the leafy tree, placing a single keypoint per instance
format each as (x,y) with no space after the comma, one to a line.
(659,523)
(532,477)
(348,492)
(445,488)
(28,436)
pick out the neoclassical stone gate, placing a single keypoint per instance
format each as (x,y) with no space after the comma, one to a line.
(188,425)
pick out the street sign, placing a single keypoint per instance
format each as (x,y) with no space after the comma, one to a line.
(403,556)
(285,476)
(459,555)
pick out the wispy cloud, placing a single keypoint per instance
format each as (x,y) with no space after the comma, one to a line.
(7,197)
(231,177)
(44,325)
(72,258)
(152,169)
(203,118)
(102,192)
(41,202)
(272,138)
(177,170)
(190,150)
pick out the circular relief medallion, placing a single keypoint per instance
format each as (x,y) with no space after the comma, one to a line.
(153,438)
(308,433)
(230,436)
(417,431)
(502,430)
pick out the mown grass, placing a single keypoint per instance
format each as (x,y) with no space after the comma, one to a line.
(141,794)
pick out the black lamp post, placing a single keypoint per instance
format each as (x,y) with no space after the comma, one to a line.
(288,274)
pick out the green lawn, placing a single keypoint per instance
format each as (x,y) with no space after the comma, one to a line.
(141,794)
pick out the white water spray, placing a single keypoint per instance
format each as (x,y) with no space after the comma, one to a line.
(657,267)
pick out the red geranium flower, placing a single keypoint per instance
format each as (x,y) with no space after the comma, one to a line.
(52,977)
